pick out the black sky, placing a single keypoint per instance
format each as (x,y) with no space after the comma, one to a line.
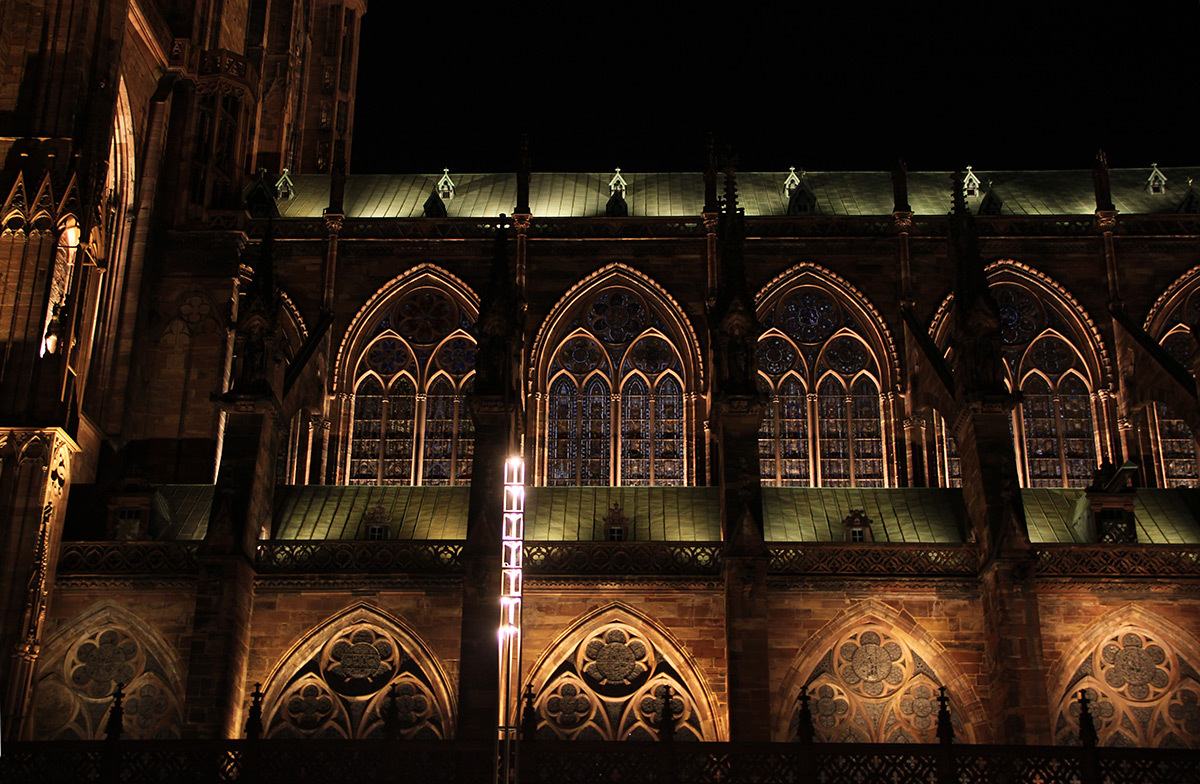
(839,86)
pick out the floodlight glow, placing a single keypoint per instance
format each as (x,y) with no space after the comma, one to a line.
(508,635)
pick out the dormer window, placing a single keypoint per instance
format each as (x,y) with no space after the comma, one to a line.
(1157,181)
(616,524)
(1115,526)
(445,186)
(376,523)
(970,183)
(858,527)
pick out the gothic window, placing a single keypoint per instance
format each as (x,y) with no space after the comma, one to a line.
(1052,359)
(615,408)
(1056,414)
(835,436)
(410,420)
(1172,443)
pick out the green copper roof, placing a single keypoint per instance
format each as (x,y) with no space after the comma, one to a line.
(189,508)
(338,512)
(1161,516)
(813,514)
(681,194)
(661,514)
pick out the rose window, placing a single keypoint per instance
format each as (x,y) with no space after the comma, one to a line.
(387,357)
(104,660)
(1052,355)
(617,316)
(653,705)
(829,707)
(1185,709)
(580,356)
(809,316)
(847,355)
(148,706)
(776,356)
(309,708)
(871,664)
(1021,317)
(457,357)
(615,658)
(426,316)
(360,662)
(920,705)
(410,703)
(652,356)
(568,707)
(1134,666)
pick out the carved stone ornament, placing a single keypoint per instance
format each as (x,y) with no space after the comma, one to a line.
(348,687)
(872,687)
(615,687)
(1142,692)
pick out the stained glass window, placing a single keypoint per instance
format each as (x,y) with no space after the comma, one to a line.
(1079,446)
(783,437)
(616,344)
(949,464)
(668,432)
(866,434)
(834,433)
(368,422)
(439,433)
(1177,446)
(636,433)
(1043,459)
(401,419)
(562,433)
(419,345)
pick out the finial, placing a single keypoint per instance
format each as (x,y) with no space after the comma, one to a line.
(1087,724)
(528,715)
(945,729)
(791,182)
(116,715)
(617,184)
(391,715)
(805,731)
(666,720)
(445,186)
(254,723)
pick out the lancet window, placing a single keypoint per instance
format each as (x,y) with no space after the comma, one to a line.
(615,408)
(1172,445)
(410,420)
(824,425)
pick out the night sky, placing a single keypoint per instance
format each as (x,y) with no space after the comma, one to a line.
(993,85)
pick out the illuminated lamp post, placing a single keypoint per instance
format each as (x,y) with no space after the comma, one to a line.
(509,633)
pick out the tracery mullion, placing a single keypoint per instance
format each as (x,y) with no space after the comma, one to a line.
(668,453)
(833,422)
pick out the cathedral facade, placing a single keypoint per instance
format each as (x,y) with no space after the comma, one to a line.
(856,436)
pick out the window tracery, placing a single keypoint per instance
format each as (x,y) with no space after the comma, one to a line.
(1143,693)
(1046,357)
(410,422)
(615,411)
(872,687)
(1172,444)
(615,685)
(346,685)
(834,439)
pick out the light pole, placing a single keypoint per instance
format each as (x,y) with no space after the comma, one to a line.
(509,634)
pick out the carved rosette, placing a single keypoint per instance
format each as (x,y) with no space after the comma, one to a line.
(871,687)
(347,687)
(74,693)
(1142,693)
(615,686)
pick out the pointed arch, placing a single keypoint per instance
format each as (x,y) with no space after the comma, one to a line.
(875,332)
(424,275)
(1140,672)
(679,328)
(605,678)
(337,679)
(872,672)
(618,323)
(80,666)
(414,327)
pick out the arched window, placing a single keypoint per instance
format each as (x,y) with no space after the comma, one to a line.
(1051,358)
(615,410)
(1172,445)
(410,420)
(836,439)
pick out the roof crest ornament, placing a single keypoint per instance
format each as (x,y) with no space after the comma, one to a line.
(617,184)
(284,187)
(792,182)
(970,183)
(1157,181)
(445,186)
